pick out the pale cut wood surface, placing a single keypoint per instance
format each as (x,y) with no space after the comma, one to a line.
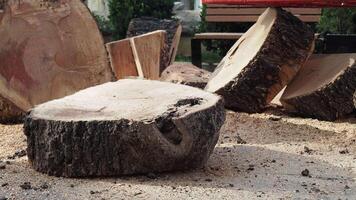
(323,88)
(49,50)
(186,74)
(261,64)
(142,53)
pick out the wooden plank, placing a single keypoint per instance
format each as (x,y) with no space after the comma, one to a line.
(235,11)
(259,11)
(218,36)
(305,11)
(229,6)
(253,18)
(117,51)
(149,47)
(223,36)
(175,43)
(285,3)
(173,28)
(232,18)
(137,56)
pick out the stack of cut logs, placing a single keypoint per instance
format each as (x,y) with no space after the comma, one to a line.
(277,53)
(50,50)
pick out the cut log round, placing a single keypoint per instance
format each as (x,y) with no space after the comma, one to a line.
(323,88)
(49,49)
(137,127)
(139,26)
(186,74)
(262,61)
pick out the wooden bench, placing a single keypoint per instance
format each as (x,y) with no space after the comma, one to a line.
(238,13)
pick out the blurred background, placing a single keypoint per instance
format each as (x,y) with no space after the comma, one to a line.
(113,17)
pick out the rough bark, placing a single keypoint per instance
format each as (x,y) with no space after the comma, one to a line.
(10,114)
(332,100)
(173,28)
(186,74)
(48,49)
(1,10)
(139,56)
(124,133)
(286,48)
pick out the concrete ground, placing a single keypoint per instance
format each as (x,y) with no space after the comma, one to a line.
(259,156)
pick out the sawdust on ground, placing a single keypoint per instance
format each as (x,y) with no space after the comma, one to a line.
(259,156)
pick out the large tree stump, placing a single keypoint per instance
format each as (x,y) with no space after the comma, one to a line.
(262,61)
(48,49)
(324,87)
(138,56)
(173,28)
(186,74)
(122,128)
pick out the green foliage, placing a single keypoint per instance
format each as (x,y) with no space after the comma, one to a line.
(103,24)
(338,20)
(122,11)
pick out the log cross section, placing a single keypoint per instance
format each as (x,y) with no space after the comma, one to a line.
(137,127)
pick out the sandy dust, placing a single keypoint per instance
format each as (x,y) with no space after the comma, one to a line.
(259,156)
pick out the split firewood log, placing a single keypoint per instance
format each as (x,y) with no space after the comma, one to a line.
(137,127)
(262,61)
(138,56)
(48,49)
(323,88)
(186,74)
(139,26)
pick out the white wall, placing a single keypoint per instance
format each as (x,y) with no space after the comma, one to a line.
(198,4)
(187,6)
(99,7)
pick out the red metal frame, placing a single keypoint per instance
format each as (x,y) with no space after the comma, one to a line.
(287,3)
